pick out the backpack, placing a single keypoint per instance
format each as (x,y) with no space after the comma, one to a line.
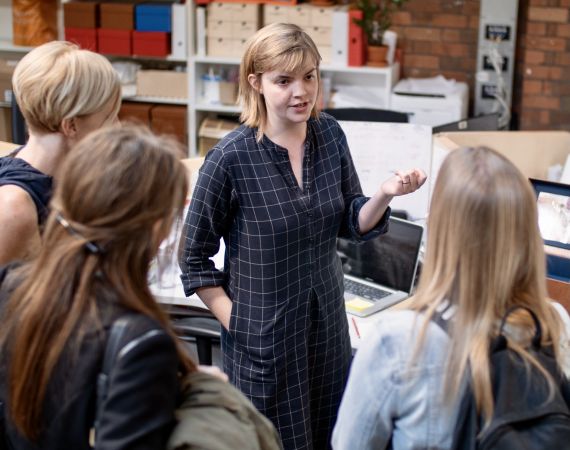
(525,416)
(213,415)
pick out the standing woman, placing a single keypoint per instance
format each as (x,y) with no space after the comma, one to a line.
(64,93)
(111,209)
(279,190)
(484,255)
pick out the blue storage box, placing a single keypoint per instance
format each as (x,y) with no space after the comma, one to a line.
(153,17)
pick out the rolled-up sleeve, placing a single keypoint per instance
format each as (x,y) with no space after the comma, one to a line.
(205,224)
(354,199)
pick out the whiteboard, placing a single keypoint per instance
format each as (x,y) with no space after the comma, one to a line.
(379,148)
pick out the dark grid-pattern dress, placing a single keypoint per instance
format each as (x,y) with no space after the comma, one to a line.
(288,347)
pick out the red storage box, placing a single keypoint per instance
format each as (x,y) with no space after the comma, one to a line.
(115,42)
(151,43)
(84,37)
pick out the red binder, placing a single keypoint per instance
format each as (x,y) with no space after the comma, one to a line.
(356,46)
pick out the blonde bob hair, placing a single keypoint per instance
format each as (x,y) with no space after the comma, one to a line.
(484,255)
(279,46)
(58,81)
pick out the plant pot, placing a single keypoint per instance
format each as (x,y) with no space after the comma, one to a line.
(377,55)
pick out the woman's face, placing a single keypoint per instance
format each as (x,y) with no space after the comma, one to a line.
(289,96)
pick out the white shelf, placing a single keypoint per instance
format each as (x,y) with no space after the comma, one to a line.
(230,109)
(217,60)
(162,100)
(7,46)
(5,105)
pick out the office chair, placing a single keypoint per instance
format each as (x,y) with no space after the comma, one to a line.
(202,329)
(367,115)
(19,132)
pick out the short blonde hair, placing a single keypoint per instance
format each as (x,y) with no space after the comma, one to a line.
(282,46)
(58,81)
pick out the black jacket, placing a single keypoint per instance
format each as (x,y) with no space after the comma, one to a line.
(142,397)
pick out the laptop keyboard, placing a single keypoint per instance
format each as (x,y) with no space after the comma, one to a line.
(365,291)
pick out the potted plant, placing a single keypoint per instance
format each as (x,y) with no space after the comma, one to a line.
(376,19)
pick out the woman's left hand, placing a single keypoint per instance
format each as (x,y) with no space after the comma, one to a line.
(404,182)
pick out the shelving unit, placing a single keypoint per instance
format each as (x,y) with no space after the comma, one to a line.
(379,80)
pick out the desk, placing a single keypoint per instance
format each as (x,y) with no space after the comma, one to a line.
(7,147)
(174,295)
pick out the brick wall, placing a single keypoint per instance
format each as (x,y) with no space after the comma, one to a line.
(440,37)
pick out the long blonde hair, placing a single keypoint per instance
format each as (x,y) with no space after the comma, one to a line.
(282,46)
(119,186)
(58,81)
(484,255)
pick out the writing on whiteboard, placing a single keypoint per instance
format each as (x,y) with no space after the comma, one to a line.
(379,148)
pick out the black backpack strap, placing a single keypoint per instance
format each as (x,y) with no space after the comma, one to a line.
(112,349)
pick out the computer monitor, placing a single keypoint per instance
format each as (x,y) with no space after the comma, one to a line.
(488,122)
(553,204)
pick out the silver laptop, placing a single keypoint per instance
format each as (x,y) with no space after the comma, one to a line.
(381,272)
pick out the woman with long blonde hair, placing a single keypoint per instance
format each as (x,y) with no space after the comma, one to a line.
(111,209)
(64,93)
(484,255)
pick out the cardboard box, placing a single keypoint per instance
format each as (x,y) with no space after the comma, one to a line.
(81,14)
(171,120)
(115,42)
(117,16)
(211,131)
(162,83)
(6,70)
(151,43)
(6,131)
(84,37)
(134,112)
(533,152)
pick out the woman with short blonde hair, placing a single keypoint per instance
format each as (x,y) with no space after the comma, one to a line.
(484,255)
(64,93)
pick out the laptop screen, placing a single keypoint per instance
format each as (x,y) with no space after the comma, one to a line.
(553,204)
(389,260)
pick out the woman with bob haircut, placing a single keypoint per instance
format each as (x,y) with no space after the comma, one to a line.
(64,93)
(484,255)
(279,190)
(104,228)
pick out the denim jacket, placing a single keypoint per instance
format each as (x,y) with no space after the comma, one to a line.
(389,401)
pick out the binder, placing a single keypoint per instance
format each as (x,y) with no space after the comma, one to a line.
(356,47)
(340,39)
(179,33)
(201,31)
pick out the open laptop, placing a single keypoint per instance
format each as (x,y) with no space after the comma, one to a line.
(381,272)
(553,205)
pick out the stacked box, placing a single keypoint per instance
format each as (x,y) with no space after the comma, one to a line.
(167,119)
(115,42)
(81,15)
(138,113)
(80,21)
(117,16)
(229,25)
(153,25)
(316,21)
(154,17)
(162,83)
